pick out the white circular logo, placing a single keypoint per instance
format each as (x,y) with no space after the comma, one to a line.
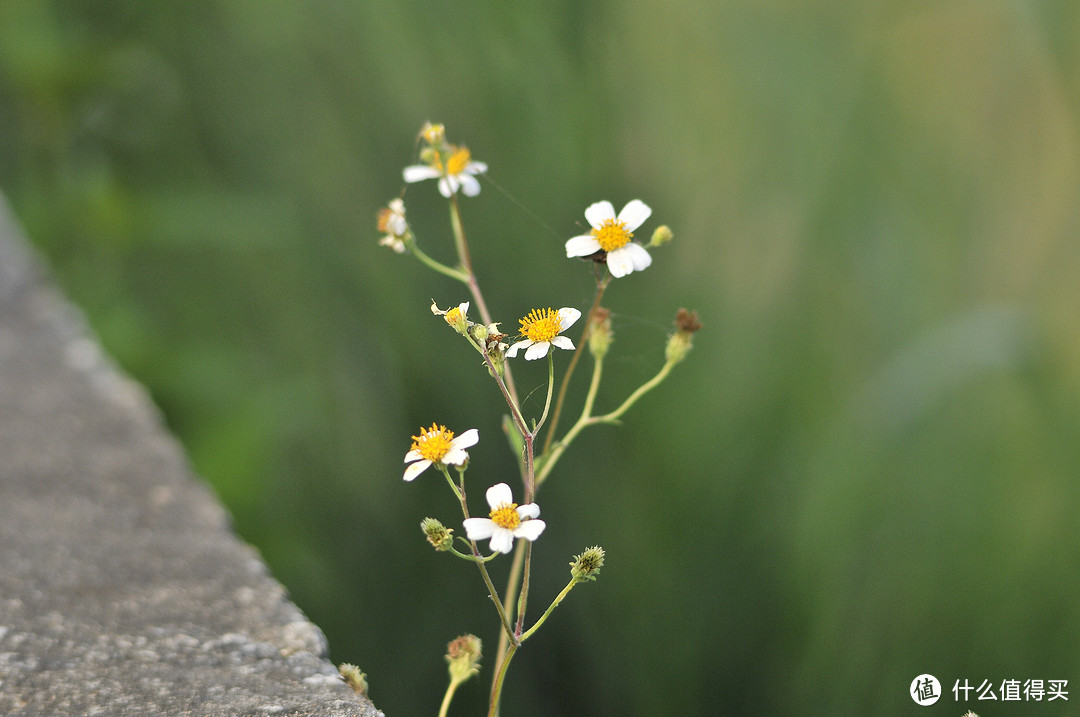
(925,690)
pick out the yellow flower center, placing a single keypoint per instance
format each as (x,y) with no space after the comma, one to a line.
(541,325)
(457,162)
(506,516)
(433,443)
(612,235)
(453,316)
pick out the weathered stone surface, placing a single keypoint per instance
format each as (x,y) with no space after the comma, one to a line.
(123,590)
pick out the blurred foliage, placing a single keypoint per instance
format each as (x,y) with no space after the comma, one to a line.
(867,470)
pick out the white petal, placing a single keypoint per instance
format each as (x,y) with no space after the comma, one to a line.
(641,258)
(563,343)
(634,214)
(414,469)
(620,262)
(397,225)
(583,245)
(419,172)
(447,186)
(512,351)
(530,529)
(466,439)
(567,317)
(537,351)
(499,495)
(479,528)
(528,511)
(413,455)
(598,212)
(502,540)
(476,167)
(469,185)
(455,457)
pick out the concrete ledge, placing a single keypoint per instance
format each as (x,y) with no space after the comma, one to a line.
(123,590)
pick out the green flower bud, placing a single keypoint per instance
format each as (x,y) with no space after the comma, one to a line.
(587,565)
(429,156)
(600,336)
(680,343)
(463,658)
(433,134)
(661,235)
(440,537)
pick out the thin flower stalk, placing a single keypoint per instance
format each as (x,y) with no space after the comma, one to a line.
(462,246)
(500,676)
(547,613)
(601,286)
(434,264)
(479,559)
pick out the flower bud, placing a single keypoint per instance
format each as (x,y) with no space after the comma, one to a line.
(440,537)
(430,156)
(680,343)
(353,677)
(463,656)
(600,336)
(587,565)
(479,332)
(433,134)
(490,340)
(661,235)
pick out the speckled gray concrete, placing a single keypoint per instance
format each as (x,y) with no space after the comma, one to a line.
(123,590)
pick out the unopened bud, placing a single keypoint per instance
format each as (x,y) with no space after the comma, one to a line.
(430,156)
(440,537)
(680,343)
(587,565)
(463,658)
(353,677)
(661,235)
(433,134)
(600,336)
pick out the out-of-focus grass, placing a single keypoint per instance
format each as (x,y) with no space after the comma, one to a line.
(866,470)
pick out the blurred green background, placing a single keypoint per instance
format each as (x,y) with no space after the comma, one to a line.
(867,469)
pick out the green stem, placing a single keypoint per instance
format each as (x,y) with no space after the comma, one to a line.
(450,690)
(508,604)
(458,493)
(549,459)
(601,285)
(551,608)
(437,266)
(508,394)
(480,560)
(492,593)
(523,597)
(633,397)
(464,257)
(497,684)
(551,385)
